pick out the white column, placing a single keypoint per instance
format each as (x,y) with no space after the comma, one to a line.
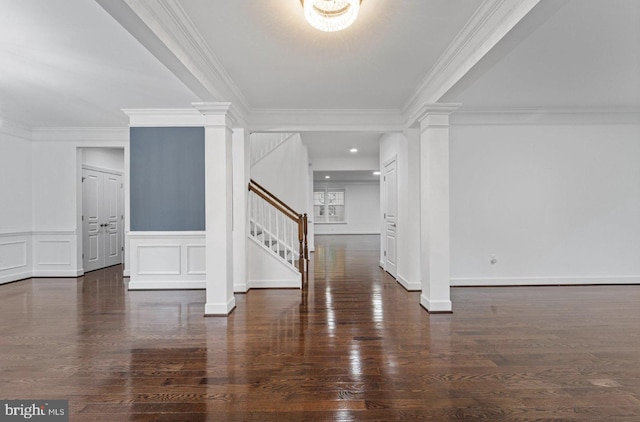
(219,208)
(434,207)
(241,166)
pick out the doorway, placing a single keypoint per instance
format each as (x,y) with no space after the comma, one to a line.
(390,207)
(102,208)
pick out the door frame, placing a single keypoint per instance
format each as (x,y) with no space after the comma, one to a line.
(383,200)
(78,182)
(120,230)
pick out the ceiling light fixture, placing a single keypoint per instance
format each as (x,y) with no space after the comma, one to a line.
(376,173)
(327,177)
(353,150)
(331,15)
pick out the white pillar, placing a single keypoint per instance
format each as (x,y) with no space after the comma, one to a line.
(219,207)
(241,166)
(434,207)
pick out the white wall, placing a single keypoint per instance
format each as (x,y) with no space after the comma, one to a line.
(284,172)
(362,209)
(15,185)
(57,189)
(54,188)
(40,220)
(552,203)
(106,158)
(15,209)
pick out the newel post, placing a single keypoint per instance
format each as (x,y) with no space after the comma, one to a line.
(301,241)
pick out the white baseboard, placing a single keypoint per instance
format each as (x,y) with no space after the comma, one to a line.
(240,288)
(435,305)
(15,277)
(412,287)
(56,273)
(352,233)
(542,281)
(275,284)
(167,285)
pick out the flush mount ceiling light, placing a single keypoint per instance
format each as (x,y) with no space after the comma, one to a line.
(353,150)
(331,15)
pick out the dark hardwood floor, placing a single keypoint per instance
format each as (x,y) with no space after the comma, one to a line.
(353,346)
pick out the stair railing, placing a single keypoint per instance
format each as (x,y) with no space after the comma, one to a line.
(275,224)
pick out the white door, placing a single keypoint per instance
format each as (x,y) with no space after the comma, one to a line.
(390,180)
(102,222)
(112,218)
(92,233)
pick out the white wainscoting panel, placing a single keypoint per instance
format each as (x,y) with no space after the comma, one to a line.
(158,259)
(196,260)
(15,256)
(54,254)
(167,260)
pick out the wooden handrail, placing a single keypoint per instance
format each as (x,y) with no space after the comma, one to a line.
(275,198)
(285,210)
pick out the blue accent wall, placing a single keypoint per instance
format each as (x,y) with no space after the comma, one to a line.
(167,176)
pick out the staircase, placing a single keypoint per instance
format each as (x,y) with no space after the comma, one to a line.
(263,144)
(278,229)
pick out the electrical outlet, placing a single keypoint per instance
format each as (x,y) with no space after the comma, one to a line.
(492,259)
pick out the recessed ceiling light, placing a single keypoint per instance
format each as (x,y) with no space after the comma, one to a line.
(353,150)
(327,177)
(376,173)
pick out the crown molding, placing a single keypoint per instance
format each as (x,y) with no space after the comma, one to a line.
(82,134)
(164,117)
(488,25)
(14,128)
(546,116)
(300,120)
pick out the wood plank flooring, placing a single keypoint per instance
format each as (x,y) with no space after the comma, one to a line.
(353,346)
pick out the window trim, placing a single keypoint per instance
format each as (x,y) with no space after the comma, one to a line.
(324,219)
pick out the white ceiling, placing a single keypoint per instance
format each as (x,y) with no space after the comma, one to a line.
(563,54)
(70,63)
(278,61)
(338,144)
(346,176)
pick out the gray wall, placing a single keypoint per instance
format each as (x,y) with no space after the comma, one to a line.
(167,179)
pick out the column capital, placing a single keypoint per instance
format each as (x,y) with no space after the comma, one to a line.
(424,114)
(217,113)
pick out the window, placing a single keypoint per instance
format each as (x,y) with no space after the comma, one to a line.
(328,205)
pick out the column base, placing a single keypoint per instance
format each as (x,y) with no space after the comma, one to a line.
(220,309)
(436,306)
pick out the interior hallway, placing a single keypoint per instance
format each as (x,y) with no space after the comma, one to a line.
(353,346)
